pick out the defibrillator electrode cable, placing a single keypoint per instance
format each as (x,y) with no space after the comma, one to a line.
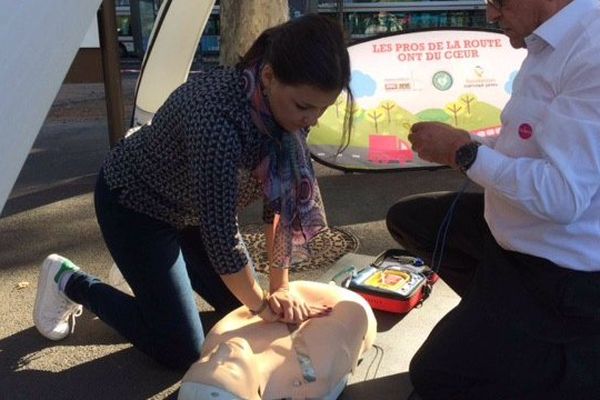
(436,260)
(378,357)
(440,240)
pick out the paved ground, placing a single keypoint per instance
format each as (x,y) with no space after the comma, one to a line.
(50,210)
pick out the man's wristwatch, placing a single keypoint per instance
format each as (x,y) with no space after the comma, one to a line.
(465,156)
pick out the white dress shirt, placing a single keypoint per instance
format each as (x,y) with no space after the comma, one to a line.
(542,175)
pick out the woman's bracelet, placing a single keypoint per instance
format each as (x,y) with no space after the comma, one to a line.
(263,305)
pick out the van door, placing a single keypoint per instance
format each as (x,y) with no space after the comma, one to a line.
(171,48)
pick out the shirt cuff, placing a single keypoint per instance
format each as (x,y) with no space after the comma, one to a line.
(488,164)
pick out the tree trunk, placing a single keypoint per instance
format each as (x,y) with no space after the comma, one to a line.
(243,20)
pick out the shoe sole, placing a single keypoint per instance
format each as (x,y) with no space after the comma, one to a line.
(45,270)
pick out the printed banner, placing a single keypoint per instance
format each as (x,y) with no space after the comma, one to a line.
(458,77)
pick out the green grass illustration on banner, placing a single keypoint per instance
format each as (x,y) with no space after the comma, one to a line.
(390,118)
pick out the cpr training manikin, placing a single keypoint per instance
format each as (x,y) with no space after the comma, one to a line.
(244,357)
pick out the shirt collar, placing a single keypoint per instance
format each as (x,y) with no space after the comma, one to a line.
(555,29)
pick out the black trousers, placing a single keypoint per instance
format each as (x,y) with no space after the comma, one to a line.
(524,329)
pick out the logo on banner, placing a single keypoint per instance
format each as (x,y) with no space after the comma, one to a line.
(392,85)
(478,71)
(442,81)
(479,80)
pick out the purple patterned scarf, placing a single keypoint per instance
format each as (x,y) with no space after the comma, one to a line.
(287,178)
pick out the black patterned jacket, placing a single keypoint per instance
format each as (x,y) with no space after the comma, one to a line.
(191,165)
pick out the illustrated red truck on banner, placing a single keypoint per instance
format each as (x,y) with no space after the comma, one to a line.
(389,149)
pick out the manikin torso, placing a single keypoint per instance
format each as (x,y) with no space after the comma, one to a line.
(245,357)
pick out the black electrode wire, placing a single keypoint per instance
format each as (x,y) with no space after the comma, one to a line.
(378,355)
(438,253)
(440,240)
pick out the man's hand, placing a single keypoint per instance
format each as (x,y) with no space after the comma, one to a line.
(268,315)
(291,308)
(437,142)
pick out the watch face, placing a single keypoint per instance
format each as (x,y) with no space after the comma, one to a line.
(465,155)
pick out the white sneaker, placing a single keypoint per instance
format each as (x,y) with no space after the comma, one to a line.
(53,313)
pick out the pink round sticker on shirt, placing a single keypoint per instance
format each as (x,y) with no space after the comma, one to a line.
(525,131)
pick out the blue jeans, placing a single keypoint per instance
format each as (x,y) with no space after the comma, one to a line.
(163,266)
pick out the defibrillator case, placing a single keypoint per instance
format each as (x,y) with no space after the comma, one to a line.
(395,282)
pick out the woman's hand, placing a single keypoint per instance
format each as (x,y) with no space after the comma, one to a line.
(268,315)
(291,308)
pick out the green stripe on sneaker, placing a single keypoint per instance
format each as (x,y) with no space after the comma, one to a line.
(65,266)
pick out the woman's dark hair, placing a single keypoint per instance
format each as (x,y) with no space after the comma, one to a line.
(308,50)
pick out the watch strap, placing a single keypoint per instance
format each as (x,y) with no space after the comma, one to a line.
(466,155)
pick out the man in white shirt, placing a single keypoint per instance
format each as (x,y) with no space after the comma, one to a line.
(525,255)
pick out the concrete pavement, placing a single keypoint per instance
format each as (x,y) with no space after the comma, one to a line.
(51,210)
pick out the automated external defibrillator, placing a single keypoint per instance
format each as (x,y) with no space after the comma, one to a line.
(395,282)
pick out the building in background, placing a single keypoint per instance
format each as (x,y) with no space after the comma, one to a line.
(362,19)
(135,19)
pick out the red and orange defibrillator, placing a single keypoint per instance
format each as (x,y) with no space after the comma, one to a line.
(395,282)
